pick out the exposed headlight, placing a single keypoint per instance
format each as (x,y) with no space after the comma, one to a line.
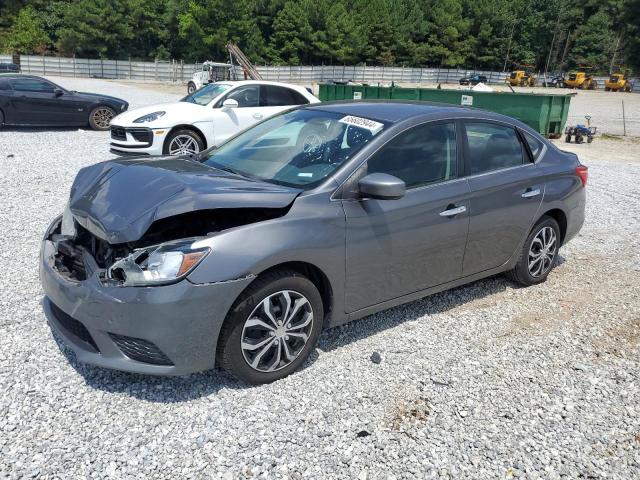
(151,117)
(157,265)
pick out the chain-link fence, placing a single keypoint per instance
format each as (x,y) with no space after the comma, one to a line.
(180,72)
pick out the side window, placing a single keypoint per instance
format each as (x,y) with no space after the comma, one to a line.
(275,96)
(32,85)
(492,147)
(246,96)
(534,144)
(420,156)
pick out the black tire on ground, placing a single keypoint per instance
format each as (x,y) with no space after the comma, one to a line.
(520,273)
(590,139)
(229,352)
(191,87)
(100,117)
(578,138)
(1,119)
(607,89)
(567,139)
(198,143)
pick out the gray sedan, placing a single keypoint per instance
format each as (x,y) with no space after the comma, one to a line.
(316,217)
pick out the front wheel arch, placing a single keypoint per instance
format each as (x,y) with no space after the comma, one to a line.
(94,108)
(185,127)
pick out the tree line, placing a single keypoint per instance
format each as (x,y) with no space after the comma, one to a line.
(482,34)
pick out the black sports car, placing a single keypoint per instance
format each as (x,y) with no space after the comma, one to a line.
(9,67)
(27,100)
(473,80)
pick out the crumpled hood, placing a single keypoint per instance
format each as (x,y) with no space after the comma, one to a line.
(118,200)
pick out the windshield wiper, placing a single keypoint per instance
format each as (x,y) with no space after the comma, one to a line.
(230,170)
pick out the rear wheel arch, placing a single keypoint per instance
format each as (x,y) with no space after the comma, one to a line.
(559,216)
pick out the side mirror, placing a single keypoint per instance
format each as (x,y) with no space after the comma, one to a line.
(58,92)
(230,103)
(382,186)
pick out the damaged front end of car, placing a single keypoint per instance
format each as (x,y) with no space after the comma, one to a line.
(169,250)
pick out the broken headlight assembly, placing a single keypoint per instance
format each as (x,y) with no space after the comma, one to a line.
(157,265)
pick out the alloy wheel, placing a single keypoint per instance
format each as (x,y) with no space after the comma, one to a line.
(183,145)
(276,331)
(102,117)
(542,252)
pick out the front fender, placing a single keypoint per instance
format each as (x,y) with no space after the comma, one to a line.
(313,231)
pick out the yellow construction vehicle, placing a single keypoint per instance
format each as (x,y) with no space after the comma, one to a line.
(581,79)
(617,82)
(521,78)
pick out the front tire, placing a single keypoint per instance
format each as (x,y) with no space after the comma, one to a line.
(183,142)
(539,253)
(272,328)
(100,117)
(191,87)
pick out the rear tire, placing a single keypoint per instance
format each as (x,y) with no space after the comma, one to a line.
(100,117)
(191,87)
(281,354)
(567,139)
(539,254)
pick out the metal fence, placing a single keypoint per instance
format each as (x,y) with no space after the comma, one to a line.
(180,72)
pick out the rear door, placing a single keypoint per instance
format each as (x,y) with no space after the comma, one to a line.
(397,247)
(275,99)
(505,194)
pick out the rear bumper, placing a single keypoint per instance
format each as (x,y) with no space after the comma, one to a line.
(164,330)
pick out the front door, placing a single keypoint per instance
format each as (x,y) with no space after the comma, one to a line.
(505,194)
(34,102)
(229,121)
(397,247)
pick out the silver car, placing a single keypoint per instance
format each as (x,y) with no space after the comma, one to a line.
(321,215)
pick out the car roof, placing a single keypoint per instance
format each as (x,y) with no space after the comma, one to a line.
(398,111)
(19,75)
(261,82)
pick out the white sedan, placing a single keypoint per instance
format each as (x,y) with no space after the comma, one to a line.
(204,118)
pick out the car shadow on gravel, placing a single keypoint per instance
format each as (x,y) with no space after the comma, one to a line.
(190,387)
(471,295)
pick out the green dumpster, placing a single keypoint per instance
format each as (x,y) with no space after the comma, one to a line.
(543,112)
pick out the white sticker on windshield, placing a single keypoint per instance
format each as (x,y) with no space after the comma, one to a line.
(305,174)
(371,125)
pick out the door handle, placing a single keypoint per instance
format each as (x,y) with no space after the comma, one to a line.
(452,212)
(531,192)
(257,116)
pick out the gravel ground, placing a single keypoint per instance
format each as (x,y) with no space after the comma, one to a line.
(484,381)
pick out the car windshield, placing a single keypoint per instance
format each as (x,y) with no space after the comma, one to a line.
(206,94)
(298,149)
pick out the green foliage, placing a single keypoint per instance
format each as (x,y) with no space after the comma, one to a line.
(27,34)
(487,34)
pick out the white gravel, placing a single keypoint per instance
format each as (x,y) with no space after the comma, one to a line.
(485,381)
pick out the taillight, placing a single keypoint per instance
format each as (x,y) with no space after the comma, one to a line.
(583,172)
